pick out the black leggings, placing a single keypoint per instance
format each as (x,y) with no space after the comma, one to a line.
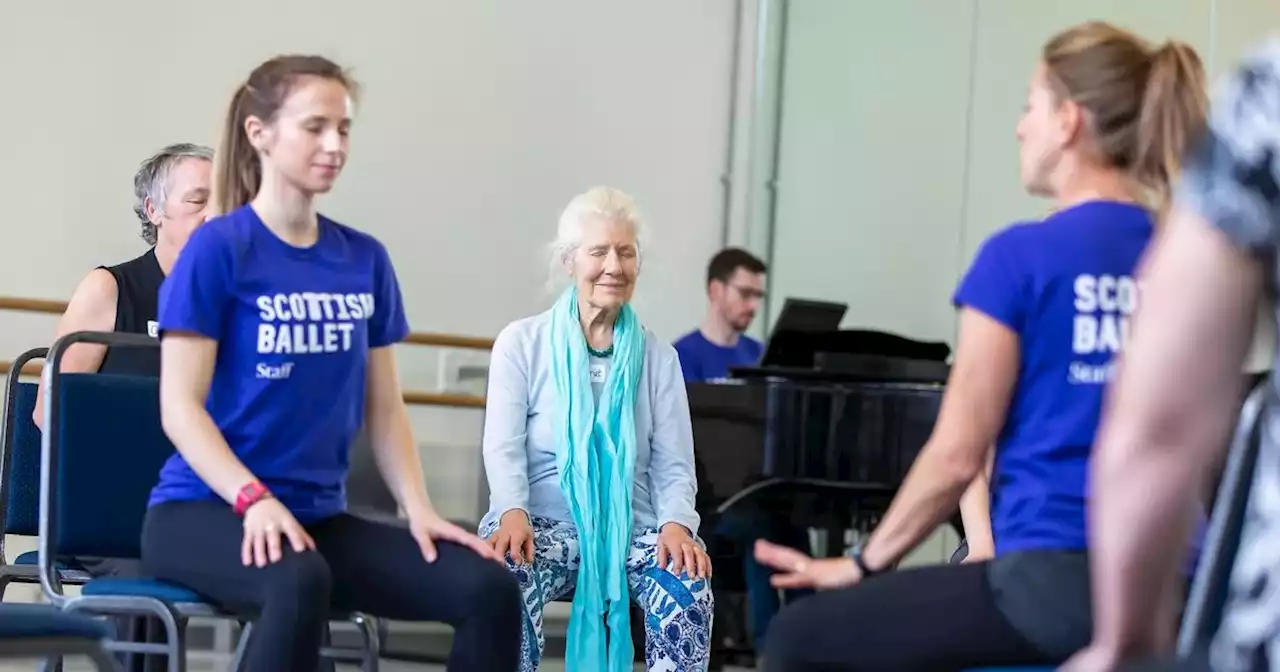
(931,618)
(358,565)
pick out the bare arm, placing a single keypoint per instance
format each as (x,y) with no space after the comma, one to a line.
(973,411)
(975,511)
(187,362)
(92,308)
(391,434)
(1168,417)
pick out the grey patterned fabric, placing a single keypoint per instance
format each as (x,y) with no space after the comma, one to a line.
(1232,178)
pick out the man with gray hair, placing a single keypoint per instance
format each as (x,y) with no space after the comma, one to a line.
(171,192)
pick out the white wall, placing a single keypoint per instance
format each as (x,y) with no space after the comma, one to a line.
(478,122)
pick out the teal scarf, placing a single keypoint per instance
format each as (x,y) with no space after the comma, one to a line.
(597,461)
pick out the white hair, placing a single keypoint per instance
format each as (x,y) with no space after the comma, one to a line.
(606,203)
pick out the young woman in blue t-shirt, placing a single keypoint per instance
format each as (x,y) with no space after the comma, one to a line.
(1044,311)
(278,325)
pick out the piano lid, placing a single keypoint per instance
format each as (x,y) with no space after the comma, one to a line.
(807,343)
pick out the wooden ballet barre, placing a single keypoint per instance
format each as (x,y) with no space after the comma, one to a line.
(32,305)
(51,307)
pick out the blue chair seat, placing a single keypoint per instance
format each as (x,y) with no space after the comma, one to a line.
(32,558)
(160,590)
(38,621)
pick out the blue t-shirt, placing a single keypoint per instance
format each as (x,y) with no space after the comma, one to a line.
(702,360)
(1065,286)
(294,327)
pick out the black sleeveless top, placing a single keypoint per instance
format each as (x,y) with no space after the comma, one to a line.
(138,283)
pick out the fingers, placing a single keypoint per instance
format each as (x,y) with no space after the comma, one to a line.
(691,559)
(528,549)
(779,557)
(789,581)
(428,547)
(474,543)
(273,544)
(662,554)
(246,549)
(704,564)
(259,548)
(298,538)
(506,547)
(677,559)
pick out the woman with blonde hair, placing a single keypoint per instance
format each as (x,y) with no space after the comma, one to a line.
(1044,311)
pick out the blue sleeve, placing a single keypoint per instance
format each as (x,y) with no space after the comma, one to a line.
(688,363)
(994,284)
(388,325)
(1230,176)
(197,294)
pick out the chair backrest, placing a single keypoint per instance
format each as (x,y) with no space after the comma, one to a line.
(20,470)
(108,450)
(1211,586)
(367,491)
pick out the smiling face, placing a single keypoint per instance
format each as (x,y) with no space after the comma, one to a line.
(606,262)
(306,140)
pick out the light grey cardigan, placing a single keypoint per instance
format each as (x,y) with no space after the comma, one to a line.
(524,420)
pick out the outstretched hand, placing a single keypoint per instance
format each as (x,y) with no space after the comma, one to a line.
(798,570)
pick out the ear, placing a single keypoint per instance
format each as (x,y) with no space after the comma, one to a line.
(1071,122)
(149,208)
(257,131)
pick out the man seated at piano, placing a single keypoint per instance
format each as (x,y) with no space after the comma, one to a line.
(1043,311)
(588,450)
(735,287)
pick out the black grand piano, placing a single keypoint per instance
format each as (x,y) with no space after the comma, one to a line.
(823,430)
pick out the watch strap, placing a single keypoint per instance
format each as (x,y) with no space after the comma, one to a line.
(250,494)
(855,554)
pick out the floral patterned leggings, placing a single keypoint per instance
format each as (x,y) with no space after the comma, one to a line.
(677,610)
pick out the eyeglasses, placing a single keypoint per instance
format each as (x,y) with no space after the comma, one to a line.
(748,293)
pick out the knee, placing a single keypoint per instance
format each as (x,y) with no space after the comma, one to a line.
(494,591)
(691,599)
(301,578)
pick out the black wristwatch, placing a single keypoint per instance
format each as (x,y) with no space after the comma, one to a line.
(855,554)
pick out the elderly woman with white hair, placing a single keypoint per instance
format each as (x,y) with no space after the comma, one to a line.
(589,453)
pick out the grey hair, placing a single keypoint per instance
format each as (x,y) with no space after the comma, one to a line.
(152,181)
(607,203)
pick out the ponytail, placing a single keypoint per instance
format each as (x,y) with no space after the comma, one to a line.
(237,171)
(1174,106)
